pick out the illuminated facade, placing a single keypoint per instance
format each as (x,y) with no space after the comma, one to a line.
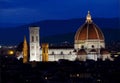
(89,35)
(90,38)
(88,42)
(34,44)
(56,53)
(45,52)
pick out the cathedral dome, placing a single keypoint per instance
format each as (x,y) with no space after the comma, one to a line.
(89,31)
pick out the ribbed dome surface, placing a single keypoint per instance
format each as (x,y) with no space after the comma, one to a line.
(89,30)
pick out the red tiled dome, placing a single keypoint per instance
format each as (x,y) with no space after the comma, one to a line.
(89,30)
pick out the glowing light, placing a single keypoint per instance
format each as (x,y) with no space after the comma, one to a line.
(11,52)
(98,80)
(77,75)
(88,17)
(46,78)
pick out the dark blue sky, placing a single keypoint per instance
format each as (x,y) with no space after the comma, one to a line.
(28,11)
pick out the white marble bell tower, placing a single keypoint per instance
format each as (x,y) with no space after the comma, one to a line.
(34,44)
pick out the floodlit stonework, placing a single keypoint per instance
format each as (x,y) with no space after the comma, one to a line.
(88,42)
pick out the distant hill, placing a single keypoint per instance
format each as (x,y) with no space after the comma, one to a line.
(53,31)
(110,35)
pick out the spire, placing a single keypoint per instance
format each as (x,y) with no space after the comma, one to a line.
(25,42)
(25,51)
(88,18)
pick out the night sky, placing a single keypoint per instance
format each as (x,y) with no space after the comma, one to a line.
(27,11)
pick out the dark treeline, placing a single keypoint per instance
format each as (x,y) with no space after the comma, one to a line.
(63,71)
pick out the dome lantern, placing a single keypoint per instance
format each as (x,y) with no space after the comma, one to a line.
(88,18)
(88,35)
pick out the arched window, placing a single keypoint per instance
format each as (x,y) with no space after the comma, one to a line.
(32,38)
(70,52)
(52,53)
(82,46)
(36,38)
(61,53)
(43,50)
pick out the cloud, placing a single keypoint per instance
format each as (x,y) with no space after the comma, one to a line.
(8,4)
(35,10)
(17,15)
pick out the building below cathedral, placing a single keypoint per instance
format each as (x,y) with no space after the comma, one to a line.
(89,43)
(59,52)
